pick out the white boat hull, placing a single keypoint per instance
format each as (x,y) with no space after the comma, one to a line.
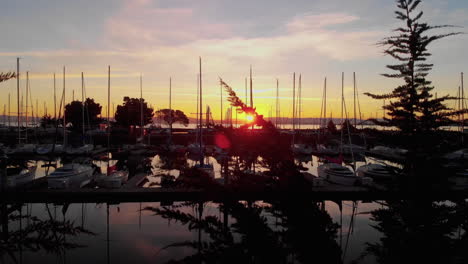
(75,179)
(327,171)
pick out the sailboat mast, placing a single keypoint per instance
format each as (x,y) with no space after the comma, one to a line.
(299,112)
(342,109)
(170,109)
(108,112)
(55,101)
(354,92)
(294,104)
(277,102)
(198,100)
(26,114)
(201,112)
(251,92)
(82,106)
(463,108)
(9,110)
(141,106)
(221,100)
(17,97)
(64,118)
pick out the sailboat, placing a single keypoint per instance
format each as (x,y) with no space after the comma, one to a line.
(173,148)
(195,148)
(205,167)
(71,175)
(21,148)
(113,178)
(19,175)
(334,172)
(298,149)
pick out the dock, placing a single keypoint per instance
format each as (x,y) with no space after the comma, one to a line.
(130,193)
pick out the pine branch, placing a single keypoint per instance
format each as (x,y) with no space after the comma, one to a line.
(7,76)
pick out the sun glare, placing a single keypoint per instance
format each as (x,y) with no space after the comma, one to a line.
(249,118)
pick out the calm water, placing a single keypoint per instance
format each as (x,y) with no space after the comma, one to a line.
(282,232)
(294,231)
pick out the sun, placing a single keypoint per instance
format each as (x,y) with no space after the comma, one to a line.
(249,118)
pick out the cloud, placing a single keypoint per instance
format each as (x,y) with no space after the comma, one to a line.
(139,24)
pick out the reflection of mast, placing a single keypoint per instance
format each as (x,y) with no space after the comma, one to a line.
(200,214)
(139,218)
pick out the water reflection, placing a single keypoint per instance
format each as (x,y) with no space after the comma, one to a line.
(420,232)
(284,231)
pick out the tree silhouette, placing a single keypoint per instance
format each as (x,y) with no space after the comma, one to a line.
(129,113)
(412,107)
(74,113)
(241,107)
(416,231)
(173,116)
(47,120)
(6,76)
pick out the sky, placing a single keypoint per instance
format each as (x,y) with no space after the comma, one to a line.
(160,39)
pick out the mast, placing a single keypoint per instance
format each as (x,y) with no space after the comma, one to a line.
(325,103)
(82,106)
(55,101)
(277,102)
(463,108)
(27,94)
(64,119)
(141,106)
(9,110)
(198,100)
(37,111)
(201,114)
(251,92)
(108,114)
(354,93)
(17,97)
(170,109)
(299,112)
(342,109)
(221,99)
(294,104)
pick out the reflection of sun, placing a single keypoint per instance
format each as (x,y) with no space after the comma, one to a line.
(249,118)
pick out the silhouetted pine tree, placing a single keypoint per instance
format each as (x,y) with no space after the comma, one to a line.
(413,108)
(7,76)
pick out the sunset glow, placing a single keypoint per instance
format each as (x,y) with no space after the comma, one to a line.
(162,39)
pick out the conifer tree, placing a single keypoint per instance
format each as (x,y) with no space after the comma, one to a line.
(413,108)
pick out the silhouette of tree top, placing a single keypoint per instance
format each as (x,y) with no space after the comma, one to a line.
(129,113)
(173,116)
(241,107)
(412,107)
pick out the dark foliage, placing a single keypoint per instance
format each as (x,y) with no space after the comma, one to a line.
(129,113)
(241,107)
(74,114)
(172,116)
(413,108)
(7,76)
(47,121)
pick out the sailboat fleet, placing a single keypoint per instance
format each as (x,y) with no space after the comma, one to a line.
(76,174)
